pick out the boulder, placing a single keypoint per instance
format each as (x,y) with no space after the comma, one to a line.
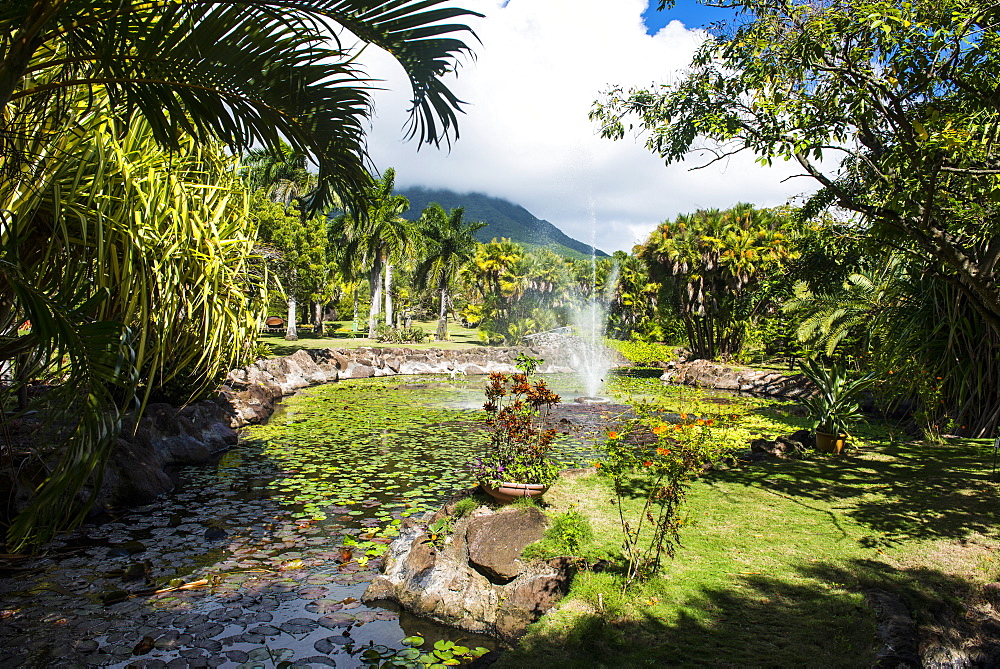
(476,581)
(496,542)
(707,374)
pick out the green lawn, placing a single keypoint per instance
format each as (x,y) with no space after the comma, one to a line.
(459,338)
(776,557)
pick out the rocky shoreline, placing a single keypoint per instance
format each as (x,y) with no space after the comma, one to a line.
(167,436)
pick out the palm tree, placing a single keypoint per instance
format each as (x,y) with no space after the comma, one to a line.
(381,237)
(193,72)
(250,74)
(450,244)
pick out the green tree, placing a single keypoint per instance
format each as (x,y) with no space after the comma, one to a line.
(250,74)
(188,73)
(890,107)
(450,244)
(381,237)
(716,262)
(133,270)
(296,249)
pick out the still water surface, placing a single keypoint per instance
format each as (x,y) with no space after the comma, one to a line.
(264,529)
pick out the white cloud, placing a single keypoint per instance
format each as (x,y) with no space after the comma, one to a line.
(526,136)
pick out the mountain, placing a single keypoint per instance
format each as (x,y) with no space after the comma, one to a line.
(504,218)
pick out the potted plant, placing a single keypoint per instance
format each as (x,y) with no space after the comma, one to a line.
(835,406)
(518,462)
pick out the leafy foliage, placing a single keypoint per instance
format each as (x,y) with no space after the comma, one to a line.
(519,450)
(652,461)
(444,653)
(715,264)
(449,245)
(835,407)
(91,259)
(890,107)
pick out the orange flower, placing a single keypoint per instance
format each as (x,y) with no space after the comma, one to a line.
(659,429)
(699,422)
(677,428)
(663,451)
(684,416)
(612,435)
(710,422)
(647,463)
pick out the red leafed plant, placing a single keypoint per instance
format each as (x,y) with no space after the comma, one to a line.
(519,448)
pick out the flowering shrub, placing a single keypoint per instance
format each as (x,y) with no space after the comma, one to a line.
(653,460)
(519,449)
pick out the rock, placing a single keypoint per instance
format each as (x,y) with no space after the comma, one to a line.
(497,594)
(895,629)
(496,541)
(707,374)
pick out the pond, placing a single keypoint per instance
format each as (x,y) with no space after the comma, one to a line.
(260,559)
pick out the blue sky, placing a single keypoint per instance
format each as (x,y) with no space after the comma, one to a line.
(689,12)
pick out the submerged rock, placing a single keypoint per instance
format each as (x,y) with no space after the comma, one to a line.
(476,581)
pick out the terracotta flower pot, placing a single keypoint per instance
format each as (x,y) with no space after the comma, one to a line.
(830,443)
(508,492)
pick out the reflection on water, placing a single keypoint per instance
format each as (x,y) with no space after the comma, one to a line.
(247,553)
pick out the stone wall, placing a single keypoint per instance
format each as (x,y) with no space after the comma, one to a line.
(168,437)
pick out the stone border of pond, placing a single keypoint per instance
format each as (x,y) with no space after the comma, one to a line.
(168,436)
(707,374)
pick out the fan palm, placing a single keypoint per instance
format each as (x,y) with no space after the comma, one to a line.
(450,243)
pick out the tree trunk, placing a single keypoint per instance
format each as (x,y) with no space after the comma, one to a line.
(388,294)
(355,326)
(290,333)
(318,309)
(442,331)
(375,281)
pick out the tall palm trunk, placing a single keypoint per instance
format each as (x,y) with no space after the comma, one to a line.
(290,332)
(375,281)
(388,294)
(318,309)
(442,331)
(355,326)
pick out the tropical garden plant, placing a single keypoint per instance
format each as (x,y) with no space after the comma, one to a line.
(519,449)
(888,107)
(87,87)
(834,408)
(653,461)
(449,244)
(714,267)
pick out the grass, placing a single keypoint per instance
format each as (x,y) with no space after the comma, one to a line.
(459,338)
(776,557)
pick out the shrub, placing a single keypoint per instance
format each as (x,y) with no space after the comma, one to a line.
(390,335)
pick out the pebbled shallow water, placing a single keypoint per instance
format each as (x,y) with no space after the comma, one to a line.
(254,544)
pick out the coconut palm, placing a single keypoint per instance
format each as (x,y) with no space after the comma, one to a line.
(450,243)
(380,236)
(250,74)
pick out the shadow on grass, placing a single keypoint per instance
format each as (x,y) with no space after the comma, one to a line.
(819,620)
(757,621)
(906,492)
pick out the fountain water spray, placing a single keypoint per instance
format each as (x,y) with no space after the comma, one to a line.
(592,358)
